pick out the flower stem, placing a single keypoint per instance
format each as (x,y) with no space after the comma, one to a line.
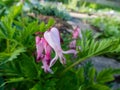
(74,64)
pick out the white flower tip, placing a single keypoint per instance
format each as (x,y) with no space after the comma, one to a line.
(70,51)
(52,62)
(62,60)
(47,70)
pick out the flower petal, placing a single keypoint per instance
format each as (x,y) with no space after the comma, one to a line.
(72,44)
(53,61)
(39,47)
(70,51)
(53,38)
(46,66)
(62,59)
(77,33)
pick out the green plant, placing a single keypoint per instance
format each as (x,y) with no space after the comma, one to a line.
(50,9)
(109,26)
(90,79)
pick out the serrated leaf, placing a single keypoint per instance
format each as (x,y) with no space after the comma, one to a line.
(28,67)
(80,75)
(104,76)
(2,35)
(91,48)
(6,57)
(15,10)
(99,87)
(13,80)
(42,27)
(91,74)
(50,23)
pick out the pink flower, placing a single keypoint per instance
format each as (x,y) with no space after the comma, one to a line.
(39,47)
(53,38)
(72,44)
(76,33)
(47,58)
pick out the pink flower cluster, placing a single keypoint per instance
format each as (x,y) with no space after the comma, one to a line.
(51,41)
(76,33)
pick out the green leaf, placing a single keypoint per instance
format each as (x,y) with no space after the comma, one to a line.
(28,67)
(42,27)
(92,47)
(98,87)
(91,74)
(80,75)
(6,25)
(2,35)
(37,86)
(13,80)
(15,10)
(65,83)
(104,76)
(50,23)
(6,57)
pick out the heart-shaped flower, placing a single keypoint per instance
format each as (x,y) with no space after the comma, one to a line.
(52,37)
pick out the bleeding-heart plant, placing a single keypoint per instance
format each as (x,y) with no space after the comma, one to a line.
(51,39)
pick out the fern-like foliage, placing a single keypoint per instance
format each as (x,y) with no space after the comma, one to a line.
(17,34)
(94,48)
(17,48)
(90,79)
(90,47)
(6,57)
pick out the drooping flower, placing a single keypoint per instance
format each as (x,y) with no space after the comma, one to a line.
(39,48)
(43,53)
(53,39)
(47,57)
(76,33)
(72,44)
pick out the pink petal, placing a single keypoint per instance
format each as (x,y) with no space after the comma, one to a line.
(72,44)
(53,38)
(53,61)
(47,57)
(62,59)
(47,48)
(70,51)
(37,39)
(80,33)
(46,66)
(77,33)
(39,47)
